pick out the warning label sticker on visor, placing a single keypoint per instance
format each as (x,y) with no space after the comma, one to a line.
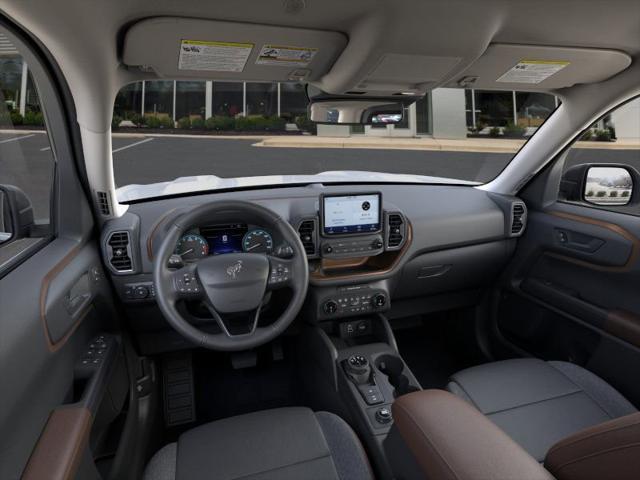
(532,71)
(213,56)
(285,56)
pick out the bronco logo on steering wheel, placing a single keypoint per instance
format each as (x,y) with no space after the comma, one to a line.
(234,270)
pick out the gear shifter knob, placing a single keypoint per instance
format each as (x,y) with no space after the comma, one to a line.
(357,366)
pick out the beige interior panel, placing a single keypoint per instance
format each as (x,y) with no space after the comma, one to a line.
(408,72)
(583,66)
(155,45)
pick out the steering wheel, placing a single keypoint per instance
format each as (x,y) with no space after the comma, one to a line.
(231,283)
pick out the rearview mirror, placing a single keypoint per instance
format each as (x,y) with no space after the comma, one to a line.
(355,111)
(608,186)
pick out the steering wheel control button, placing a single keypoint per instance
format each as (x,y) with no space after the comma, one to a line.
(279,274)
(187,283)
(175,261)
(284,251)
(383,415)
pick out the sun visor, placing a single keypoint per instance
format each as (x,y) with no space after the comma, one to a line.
(180,48)
(527,67)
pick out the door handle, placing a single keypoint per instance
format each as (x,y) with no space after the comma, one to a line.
(577,241)
(78,296)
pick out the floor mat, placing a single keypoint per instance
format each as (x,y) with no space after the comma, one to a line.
(222,391)
(433,350)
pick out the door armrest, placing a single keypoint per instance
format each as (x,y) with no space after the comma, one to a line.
(608,450)
(450,439)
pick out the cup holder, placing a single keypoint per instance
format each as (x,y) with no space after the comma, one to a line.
(393,367)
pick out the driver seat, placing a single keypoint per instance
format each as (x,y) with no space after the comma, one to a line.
(284,443)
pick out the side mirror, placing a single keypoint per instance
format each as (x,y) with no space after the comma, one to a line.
(608,186)
(603,185)
(16,214)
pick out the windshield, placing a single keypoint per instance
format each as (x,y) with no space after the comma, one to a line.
(172,137)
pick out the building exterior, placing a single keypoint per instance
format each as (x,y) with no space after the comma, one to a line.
(16,85)
(443,113)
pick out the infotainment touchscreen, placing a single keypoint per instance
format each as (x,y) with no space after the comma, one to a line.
(346,214)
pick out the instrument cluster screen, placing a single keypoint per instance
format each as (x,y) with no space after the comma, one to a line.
(351,214)
(224,238)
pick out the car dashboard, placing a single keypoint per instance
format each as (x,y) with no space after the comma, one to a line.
(396,250)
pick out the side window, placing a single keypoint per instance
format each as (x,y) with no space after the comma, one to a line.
(602,169)
(27,164)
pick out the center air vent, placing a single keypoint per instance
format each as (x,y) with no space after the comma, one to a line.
(119,256)
(307,232)
(518,218)
(396,231)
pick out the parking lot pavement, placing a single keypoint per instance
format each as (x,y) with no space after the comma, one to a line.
(165,158)
(27,161)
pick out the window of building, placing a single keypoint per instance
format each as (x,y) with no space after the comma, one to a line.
(128,103)
(227,99)
(293,100)
(190,99)
(534,108)
(494,109)
(32,101)
(262,99)
(10,80)
(423,116)
(158,98)
(469,107)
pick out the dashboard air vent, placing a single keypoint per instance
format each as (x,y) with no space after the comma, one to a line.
(518,218)
(396,231)
(307,232)
(103,203)
(119,255)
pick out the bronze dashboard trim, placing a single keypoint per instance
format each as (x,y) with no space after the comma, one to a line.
(612,227)
(153,232)
(323,275)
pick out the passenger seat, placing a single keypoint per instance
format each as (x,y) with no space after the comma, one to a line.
(538,403)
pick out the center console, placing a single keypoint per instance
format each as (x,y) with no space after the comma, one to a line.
(353,247)
(355,370)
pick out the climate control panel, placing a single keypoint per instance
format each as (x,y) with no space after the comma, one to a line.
(354,300)
(349,247)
